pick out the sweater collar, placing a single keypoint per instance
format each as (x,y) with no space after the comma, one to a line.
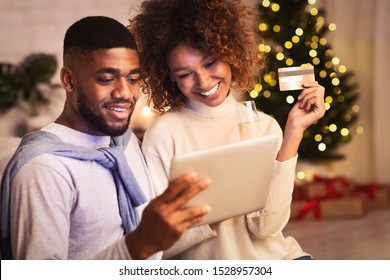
(75,137)
(200,109)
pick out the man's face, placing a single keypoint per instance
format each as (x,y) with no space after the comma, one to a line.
(106,89)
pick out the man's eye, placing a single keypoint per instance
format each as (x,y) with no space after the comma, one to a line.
(105,80)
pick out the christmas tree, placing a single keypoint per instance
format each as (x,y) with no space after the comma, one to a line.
(294,34)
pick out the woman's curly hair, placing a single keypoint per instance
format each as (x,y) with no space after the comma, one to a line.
(224,29)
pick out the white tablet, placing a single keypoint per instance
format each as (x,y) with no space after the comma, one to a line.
(240,172)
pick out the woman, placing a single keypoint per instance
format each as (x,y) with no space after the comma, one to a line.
(193,53)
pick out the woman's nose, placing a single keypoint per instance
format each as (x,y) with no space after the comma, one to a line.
(203,79)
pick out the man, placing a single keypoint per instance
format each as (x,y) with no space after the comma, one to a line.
(76,189)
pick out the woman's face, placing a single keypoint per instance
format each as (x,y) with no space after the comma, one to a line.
(199,77)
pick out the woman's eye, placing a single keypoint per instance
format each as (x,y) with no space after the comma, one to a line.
(185,75)
(210,63)
(133,80)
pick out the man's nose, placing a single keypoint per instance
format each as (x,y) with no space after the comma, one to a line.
(122,89)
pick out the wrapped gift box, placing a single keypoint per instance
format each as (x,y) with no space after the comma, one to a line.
(348,206)
(380,200)
(299,192)
(385,187)
(377,194)
(329,187)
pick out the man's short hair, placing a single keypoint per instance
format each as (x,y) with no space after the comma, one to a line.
(96,32)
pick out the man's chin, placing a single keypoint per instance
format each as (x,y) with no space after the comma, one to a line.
(113,130)
(116,131)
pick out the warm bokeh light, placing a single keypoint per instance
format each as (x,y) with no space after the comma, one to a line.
(359,130)
(279,56)
(322,147)
(266,3)
(254,94)
(146,111)
(275,7)
(299,31)
(263,26)
(276,28)
(290,99)
(288,45)
(301,175)
(318,137)
(332,27)
(313,11)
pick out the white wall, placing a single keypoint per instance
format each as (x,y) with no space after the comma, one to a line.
(28,26)
(33,26)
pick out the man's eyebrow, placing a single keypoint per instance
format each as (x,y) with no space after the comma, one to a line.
(115,71)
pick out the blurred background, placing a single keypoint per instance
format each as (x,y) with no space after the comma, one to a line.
(347,41)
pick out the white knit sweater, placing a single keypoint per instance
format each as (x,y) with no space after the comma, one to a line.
(254,236)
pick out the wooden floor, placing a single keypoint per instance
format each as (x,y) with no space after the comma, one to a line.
(364,238)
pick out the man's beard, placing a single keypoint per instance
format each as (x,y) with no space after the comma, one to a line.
(97,121)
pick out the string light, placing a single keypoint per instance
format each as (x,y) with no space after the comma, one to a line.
(289,62)
(344,131)
(342,69)
(332,127)
(288,45)
(254,94)
(299,31)
(275,7)
(332,27)
(322,147)
(263,26)
(318,137)
(267,94)
(335,60)
(313,11)
(266,3)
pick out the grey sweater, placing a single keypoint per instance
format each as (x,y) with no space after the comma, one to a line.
(69,209)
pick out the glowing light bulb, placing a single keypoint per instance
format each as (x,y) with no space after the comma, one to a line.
(146,111)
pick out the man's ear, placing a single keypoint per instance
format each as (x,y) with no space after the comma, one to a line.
(66,76)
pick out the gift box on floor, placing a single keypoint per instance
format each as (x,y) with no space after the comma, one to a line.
(380,200)
(385,187)
(328,187)
(348,206)
(378,195)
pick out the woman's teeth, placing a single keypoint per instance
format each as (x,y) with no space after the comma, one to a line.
(211,91)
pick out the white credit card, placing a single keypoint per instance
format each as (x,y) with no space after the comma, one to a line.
(292,78)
